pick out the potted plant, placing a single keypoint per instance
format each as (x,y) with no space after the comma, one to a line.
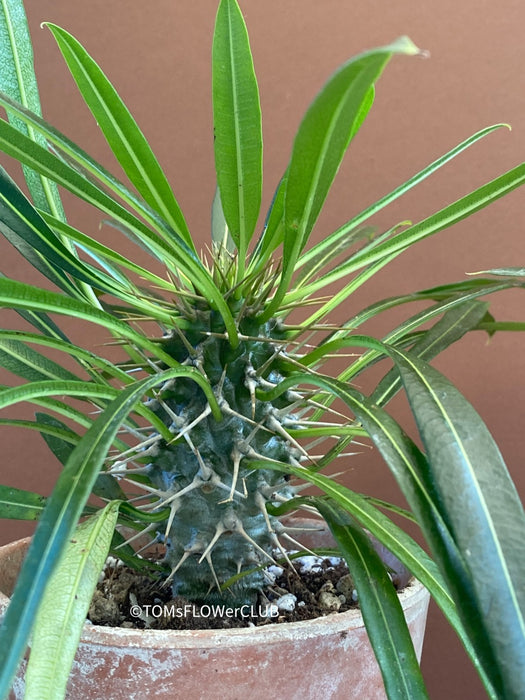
(223,383)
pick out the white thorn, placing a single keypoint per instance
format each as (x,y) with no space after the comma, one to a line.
(298,544)
(210,564)
(236,456)
(219,530)
(195,422)
(275,425)
(238,527)
(173,509)
(197,481)
(147,529)
(185,555)
(138,448)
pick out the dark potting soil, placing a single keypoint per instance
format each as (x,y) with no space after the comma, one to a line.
(126,598)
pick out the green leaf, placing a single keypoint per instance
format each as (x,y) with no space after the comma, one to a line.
(448,330)
(19,217)
(102,254)
(65,604)
(382,253)
(469,484)
(320,144)
(492,326)
(14,294)
(453,213)
(237,127)
(417,478)
(29,364)
(86,358)
(175,254)
(328,254)
(99,394)
(63,510)
(67,436)
(61,442)
(17,78)
(398,192)
(471,477)
(403,547)
(72,155)
(124,137)
(382,613)
(17,504)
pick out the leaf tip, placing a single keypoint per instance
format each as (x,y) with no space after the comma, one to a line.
(405,45)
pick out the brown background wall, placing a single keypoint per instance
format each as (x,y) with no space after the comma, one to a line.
(157,54)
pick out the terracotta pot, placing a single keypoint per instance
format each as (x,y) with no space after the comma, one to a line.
(327,657)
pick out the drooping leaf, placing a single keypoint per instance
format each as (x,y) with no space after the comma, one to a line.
(448,330)
(470,476)
(61,442)
(382,613)
(14,294)
(65,604)
(61,515)
(417,478)
(18,358)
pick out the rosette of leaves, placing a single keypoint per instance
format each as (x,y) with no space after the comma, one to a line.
(222,404)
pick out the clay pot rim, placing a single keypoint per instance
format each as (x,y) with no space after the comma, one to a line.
(271,634)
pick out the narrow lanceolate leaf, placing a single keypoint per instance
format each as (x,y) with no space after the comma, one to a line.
(17,295)
(65,604)
(123,135)
(401,545)
(17,504)
(398,192)
(471,477)
(67,436)
(176,254)
(17,79)
(450,215)
(61,441)
(18,358)
(382,613)
(416,476)
(85,357)
(21,224)
(320,144)
(63,510)
(237,126)
(448,330)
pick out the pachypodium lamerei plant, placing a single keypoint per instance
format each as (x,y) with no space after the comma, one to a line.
(227,406)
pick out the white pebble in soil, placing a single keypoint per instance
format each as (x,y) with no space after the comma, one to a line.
(286,603)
